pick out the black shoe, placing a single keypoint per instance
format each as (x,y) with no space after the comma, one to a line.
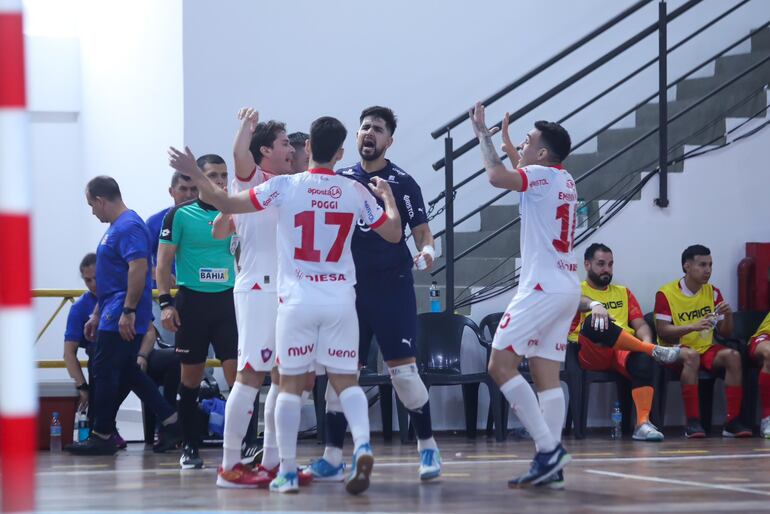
(694,430)
(94,445)
(251,454)
(736,429)
(169,437)
(190,458)
(543,466)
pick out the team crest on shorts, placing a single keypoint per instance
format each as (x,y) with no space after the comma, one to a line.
(266,354)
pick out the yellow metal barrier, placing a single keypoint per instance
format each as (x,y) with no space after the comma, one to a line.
(70,295)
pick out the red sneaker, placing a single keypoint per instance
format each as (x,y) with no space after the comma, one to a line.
(241,477)
(304,476)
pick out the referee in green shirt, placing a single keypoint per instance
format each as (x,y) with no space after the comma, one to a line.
(203,311)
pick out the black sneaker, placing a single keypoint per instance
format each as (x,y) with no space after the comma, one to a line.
(94,445)
(543,466)
(190,458)
(694,430)
(251,454)
(169,437)
(736,429)
(554,482)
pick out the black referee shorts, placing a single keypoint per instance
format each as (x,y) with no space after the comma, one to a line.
(206,318)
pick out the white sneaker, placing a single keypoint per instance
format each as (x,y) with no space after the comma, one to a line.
(430,464)
(666,354)
(647,432)
(764,430)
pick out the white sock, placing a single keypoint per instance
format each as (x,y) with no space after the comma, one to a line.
(287,411)
(524,403)
(426,444)
(356,410)
(554,410)
(333,455)
(238,411)
(270,458)
(305,396)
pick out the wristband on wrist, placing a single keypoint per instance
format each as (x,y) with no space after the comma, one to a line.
(165,300)
(594,304)
(82,387)
(429,250)
(143,355)
(129,310)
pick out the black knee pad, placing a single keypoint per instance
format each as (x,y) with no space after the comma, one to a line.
(641,367)
(606,338)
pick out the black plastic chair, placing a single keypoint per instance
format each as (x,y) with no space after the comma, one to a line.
(745,325)
(706,382)
(369,377)
(439,341)
(489,326)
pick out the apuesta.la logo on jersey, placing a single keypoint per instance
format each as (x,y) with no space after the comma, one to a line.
(334,191)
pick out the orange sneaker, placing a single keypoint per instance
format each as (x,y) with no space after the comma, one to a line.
(241,477)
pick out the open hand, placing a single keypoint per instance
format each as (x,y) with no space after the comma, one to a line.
(184,163)
(249,118)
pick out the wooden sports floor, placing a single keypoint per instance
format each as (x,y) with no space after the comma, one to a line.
(711,475)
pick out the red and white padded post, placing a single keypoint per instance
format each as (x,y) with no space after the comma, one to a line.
(18,387)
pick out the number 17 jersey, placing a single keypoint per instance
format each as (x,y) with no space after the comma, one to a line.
(317,211)
(548,212)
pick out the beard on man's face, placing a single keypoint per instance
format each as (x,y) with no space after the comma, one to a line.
(600,280)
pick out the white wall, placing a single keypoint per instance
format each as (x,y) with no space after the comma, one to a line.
(136,76)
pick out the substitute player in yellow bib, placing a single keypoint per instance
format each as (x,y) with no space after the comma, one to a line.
(636,366)
(687,312)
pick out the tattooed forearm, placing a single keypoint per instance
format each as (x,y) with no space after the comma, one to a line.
(491,159)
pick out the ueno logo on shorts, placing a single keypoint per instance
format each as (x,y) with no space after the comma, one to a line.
(342,354)
(334,191)
(297,351)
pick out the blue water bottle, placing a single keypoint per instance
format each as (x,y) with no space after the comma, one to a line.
(55,441)
(435,297)
(617,419)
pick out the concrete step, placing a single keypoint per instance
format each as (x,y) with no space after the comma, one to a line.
(698,87)
(496,216)
(683,129)
(478,271)
(761,40)
(506,243)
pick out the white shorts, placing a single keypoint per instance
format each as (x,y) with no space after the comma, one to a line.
(536,324)
(317,336)
(256,312)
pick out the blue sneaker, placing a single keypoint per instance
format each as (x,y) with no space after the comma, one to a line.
(323,471)
(554,482)
(363,462)
(430,464)
(543,466)
(285,483)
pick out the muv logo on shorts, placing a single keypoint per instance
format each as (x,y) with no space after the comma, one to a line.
(297,351)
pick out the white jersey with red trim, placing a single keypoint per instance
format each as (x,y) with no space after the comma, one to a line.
(258,259)
(548,206)
(317,211)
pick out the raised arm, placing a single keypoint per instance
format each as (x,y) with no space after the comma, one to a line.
(184,162)
(498,175)
(244,160)
(223,226)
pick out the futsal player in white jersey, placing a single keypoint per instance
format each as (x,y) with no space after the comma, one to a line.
(317,324)
(537,321)
(261,151)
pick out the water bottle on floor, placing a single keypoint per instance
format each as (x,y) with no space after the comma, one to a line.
(55,445)
(435,297)
(617,419)
(83,430)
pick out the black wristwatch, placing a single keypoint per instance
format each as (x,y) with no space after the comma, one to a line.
(128,310)
(165,300)
(82,387)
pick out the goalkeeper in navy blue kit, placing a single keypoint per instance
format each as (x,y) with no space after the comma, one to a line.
(385,297)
